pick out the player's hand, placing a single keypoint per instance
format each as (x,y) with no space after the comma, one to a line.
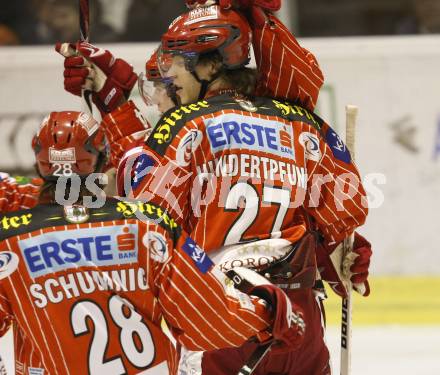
(357,264)
(288,328)
(334,268)
(87,67)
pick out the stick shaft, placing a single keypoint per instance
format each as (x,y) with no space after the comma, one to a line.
(84,23)
(351,112)
(84,20)
(346,317)
(256,357)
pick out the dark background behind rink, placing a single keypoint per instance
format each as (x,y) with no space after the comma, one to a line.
(30,22)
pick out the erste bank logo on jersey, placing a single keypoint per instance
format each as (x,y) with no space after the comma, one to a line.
(232,131)
(57,251)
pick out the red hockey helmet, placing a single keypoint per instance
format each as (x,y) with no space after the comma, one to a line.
(152,85)
(67,143)
(152,72)
(208,29)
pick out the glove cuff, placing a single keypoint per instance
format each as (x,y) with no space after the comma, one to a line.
(110,97)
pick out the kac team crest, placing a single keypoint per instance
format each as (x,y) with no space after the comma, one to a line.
(8,263)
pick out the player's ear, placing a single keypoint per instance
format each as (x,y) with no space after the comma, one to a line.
(214,67)
(207,69)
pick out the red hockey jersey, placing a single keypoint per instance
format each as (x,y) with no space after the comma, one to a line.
(87,288)
(237,171)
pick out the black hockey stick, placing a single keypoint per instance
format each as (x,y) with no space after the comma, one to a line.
(254,360)
(84,23)
(84,20)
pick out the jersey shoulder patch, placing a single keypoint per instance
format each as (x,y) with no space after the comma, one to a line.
(339,150)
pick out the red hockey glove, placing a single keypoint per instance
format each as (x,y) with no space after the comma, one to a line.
(288,327)
(91,68)
(356,265)
(361,262)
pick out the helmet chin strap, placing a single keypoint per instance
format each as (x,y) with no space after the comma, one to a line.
(171,92)
(205,83)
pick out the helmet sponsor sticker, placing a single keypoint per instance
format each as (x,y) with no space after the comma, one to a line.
(66,155)
(202,14)
(8,263)
(87,247)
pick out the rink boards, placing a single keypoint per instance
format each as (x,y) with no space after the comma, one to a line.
(393,300)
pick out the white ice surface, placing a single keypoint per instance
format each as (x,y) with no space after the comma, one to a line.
(379,350)
(389,350)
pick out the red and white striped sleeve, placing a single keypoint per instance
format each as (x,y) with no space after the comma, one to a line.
(204,311)
(6,315)
(125,129)
(286,70)
(18,193)
(336,198)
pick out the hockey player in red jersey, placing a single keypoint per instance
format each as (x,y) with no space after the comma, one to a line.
(235,170)
(247,166)
(86,288)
